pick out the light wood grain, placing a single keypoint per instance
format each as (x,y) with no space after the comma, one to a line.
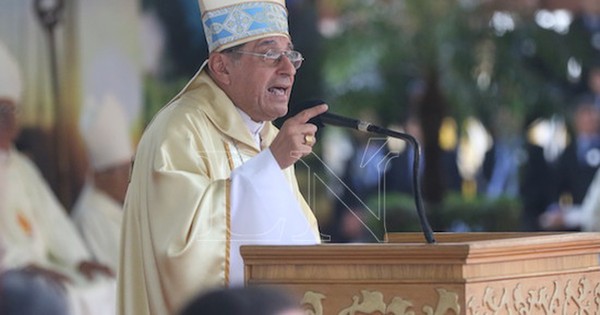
(475,268)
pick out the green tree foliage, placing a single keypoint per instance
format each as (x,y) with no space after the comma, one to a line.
(383,46)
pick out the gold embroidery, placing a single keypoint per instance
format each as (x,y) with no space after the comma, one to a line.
(24,224)
(228,230)
(228,216)
(229,157)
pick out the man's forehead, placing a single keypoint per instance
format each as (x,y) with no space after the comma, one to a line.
(273,42)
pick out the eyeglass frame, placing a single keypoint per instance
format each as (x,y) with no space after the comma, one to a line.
(265,56)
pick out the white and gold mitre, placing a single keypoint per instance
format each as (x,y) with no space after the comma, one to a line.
(228,23)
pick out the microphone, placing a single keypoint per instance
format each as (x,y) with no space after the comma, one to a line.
(323,119)
(340,121)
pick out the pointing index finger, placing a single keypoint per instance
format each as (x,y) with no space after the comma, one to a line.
(305,115)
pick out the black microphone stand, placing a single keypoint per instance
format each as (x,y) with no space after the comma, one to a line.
(340,121)
(367,127)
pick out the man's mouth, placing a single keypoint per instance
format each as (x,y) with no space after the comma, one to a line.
(278,91)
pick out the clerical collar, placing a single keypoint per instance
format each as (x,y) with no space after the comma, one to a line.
(253,126)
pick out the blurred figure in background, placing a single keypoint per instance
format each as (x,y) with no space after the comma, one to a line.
(584,216)
(36,231)
(98,212)
(593,83)
(244,301)
(545,141)
(502,162)
(581,158)
(399,175)
(362,180)
(577,164)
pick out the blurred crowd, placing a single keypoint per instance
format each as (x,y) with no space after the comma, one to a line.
(548,165)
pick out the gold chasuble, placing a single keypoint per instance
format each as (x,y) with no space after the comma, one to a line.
(177,227)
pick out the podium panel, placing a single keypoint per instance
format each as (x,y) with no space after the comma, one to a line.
(463,273)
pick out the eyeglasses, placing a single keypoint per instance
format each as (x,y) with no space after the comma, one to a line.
(273,57)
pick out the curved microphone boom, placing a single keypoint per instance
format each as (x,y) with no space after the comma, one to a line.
(340,121)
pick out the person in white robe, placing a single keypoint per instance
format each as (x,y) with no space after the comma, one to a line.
(211,172)
(98,212)
(37,234)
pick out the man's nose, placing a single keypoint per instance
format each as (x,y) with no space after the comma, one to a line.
(287,66)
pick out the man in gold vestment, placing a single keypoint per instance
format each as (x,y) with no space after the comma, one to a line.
(211,172)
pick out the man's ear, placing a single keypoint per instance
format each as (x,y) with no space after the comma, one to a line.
(218,64)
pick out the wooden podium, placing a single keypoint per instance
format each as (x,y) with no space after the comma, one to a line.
(465,273)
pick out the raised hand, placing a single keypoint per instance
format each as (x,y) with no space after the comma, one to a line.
(296,137)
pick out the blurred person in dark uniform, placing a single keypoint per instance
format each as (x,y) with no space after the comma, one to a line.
(579,162)
(581,158)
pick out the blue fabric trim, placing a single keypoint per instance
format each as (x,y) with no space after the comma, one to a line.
(234,23)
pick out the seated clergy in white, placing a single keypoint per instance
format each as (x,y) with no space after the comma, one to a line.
(211,172)
(37,234)
(98,212)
